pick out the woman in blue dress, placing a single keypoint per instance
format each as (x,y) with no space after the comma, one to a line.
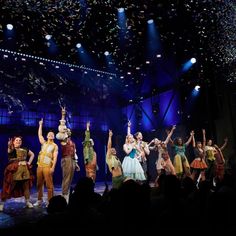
(131,166)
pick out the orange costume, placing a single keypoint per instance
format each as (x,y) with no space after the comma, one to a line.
(90,157)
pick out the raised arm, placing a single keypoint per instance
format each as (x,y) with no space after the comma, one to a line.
(194,142)
(170,139)
(190,138)
(62,134)
(10,146)
(203,138)
(129,128)
(224,144)
(169,134)
(87,132)
(63,113)
(109,143)
(151,146)
(40,132)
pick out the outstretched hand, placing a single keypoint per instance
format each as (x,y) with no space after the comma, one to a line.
(10,143)
(41,121)
(192,133)
(63,110)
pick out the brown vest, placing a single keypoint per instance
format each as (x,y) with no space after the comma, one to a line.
(68,150)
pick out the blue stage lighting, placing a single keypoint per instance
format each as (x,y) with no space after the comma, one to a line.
(150,21)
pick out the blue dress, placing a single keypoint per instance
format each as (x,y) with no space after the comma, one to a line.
(132,167)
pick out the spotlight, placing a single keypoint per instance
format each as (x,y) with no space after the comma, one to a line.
(150,21)
(78,45)
(193,60)
(106,53)
(48,36)
(197,88)
(9,26)
(121,9)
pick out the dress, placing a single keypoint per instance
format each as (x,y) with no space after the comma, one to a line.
(18,177)
(198,163)
(131,166)
(90,157)
(181,163)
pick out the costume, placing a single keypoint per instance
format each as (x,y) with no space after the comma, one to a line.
(90,157)
(210,160)
(68,164)
(45,162)
(69,157)
(219,164)
(198,163)
(141,156)
(181,163)
(131,166)
(115,168)
(18,177)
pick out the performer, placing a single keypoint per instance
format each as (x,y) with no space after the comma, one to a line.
(18,178)
(211,153)
(47,160)
(163,162)
(220,162)
(143,151)
(181,163)
(114,164)
(131,165)
(69,161)
(90,156)
(198,164)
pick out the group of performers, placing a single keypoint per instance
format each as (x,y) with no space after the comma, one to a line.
(18,177)
(208,160)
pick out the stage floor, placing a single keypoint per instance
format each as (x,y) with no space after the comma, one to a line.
(16,213)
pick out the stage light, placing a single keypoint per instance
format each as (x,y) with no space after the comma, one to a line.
(193,60)
(9,26)
(197,87)
(48,36)
(150,21)
(121,9)
(106,53)
(78,45)
(82,67)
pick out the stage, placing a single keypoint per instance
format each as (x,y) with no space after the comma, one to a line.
(16,213)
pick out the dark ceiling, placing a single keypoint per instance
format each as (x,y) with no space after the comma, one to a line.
(186,28)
